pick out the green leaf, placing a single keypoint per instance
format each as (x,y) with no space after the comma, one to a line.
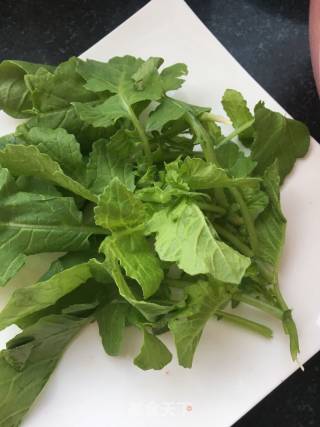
(170,110)
(54,91)
(118,76)
(112,321)
(61,146)
(118,208)
(230,157)
(255,199)
(204,299)
(15,97)
(29,161)
(199,174)
(18,390)
(236,107)
(153,354)
(146,72)
(18,356)
(110,159)
(183,236)
(150,310)
(27,226)
(33,298)
(138,259)
(278,138)
(69,120)
(271,228)
(171,76)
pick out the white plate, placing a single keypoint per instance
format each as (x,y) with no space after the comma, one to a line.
(233,369)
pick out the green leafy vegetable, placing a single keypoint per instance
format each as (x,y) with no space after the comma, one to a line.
(164,223)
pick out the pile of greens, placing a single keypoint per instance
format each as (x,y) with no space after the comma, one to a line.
(156,233)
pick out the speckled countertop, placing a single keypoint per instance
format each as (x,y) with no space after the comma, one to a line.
(268,37)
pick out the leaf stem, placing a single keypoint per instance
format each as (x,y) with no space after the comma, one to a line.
(211,208)
(245,323)
(262,305)
(136,123)
(289,325)
(249,223)
(242,247)
(236,132)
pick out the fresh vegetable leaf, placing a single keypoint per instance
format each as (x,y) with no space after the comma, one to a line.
(33,298)
(278,138)
(118,208)
(15,97)
(171,76)
(205,299)
(118,76)
(153,354)
(54,91)
(201,175)
(138,259)
(183,236)
(112,321)
(110,159)
(230,157)
(236,107)
(27,226)
(170,110)
(150,310)
(29,161)
(18,390)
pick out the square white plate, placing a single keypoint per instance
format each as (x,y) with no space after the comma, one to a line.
(233,369)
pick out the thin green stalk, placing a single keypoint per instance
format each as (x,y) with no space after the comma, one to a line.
(236,132)
(203,137)
(221,197)
(242,247)
(136,123)
(262,305)
(211,208)
(289,325)
(245,323)
(249,223)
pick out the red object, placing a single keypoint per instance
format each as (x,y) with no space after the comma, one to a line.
(314,33)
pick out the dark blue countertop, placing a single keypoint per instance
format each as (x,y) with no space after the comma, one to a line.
(268,37)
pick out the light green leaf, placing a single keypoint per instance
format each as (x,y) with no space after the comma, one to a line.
(29,300)
(256,199)
(278,138)
(153,354)
(183,236)
(112,321)
(170,110)
(118,77)
(150,310)
(171,76)
(69,120)
(27,226)
(199,174)
(29,161)
(236,107)
(53,91)
(230,157)
(205,299)
(147,72)
(18,390)
(15,97)
(138,259)
(118,208)
(61,146)
(110,159)
(271,228)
